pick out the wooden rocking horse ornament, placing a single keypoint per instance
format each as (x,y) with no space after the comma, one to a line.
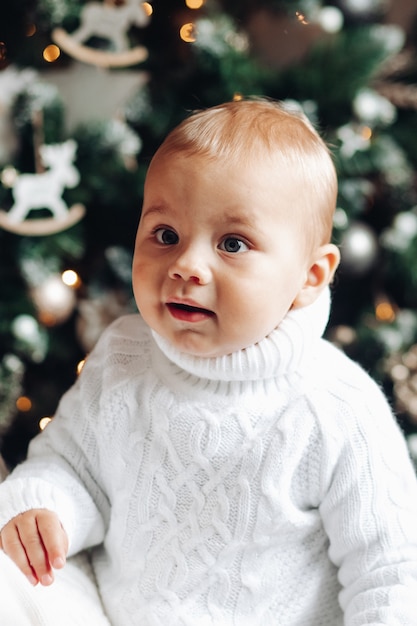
(43,191)
(111,21)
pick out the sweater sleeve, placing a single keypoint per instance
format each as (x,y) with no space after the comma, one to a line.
(369,506)
(62,470)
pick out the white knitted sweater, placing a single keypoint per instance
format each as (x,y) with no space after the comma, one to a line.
(269,487)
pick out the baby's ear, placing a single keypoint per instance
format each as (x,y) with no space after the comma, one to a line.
(319,275)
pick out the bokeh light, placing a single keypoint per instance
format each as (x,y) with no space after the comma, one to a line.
(51,53)
(188,32)
(384,312)
(31,30)
(71,278)
(148,8)
(194,4)
(80,366)
(23,404)
(44,421)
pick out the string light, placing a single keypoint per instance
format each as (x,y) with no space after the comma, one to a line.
(301,18)
(366,133)
(194,4)
(80,366)
(54,300)
(44,421)
(51,53)
(188,32)
(237,97)
(31,30)
(71,278)
(148,8)
(23,404)
(384,312)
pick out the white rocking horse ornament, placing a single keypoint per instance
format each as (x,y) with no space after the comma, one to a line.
(109,21)
(44,191)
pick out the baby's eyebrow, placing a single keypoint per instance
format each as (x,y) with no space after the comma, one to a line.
(228,218)
(237,220)
(156,209)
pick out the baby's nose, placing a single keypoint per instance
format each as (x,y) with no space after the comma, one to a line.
(191,265)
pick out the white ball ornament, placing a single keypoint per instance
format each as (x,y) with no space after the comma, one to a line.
(361,8)
(372,108)
(405,223)
(54,300)
(330,19)
(28,332)
(359,249)
(401,233)
(26,328)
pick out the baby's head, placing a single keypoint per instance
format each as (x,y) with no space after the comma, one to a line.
(236,226)
(259,131)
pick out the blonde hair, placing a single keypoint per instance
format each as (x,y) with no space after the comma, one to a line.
(251,129)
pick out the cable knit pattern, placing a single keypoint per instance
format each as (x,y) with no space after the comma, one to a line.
(269,487)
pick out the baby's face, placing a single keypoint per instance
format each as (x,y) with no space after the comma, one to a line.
(219,259)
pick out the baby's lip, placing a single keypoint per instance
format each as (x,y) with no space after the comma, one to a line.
(188,307)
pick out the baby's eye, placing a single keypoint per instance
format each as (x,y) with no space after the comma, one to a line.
(166,236)
(233,245)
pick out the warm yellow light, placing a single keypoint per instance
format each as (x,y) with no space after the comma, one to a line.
(71,278)
(384,312)
(23,404)
(194,4)
(366,133)
(44,421)
(148,8)
(301,18)
(237,97)
(80,366)
(188,32)
(47,319)
(51,53)
(31,30)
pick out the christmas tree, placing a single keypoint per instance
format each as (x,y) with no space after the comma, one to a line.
(88,90)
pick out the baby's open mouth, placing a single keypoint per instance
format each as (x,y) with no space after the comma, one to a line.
(187,308)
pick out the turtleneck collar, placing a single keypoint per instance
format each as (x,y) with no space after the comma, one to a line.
(281,352)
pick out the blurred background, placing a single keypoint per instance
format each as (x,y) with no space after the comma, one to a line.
(88,90)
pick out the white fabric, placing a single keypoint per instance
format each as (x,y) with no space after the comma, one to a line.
(251,489)
(71,601)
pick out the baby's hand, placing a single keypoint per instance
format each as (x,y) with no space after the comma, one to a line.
(36,542)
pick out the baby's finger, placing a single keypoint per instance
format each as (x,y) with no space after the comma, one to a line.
(13,547)
(54,538)
(32,542)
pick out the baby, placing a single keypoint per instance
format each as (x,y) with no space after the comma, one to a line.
(224,463)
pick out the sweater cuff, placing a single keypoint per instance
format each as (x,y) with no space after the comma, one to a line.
(19,495)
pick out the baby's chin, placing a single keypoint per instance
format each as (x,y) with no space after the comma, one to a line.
(198,344)
(193,347)
(210,352)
